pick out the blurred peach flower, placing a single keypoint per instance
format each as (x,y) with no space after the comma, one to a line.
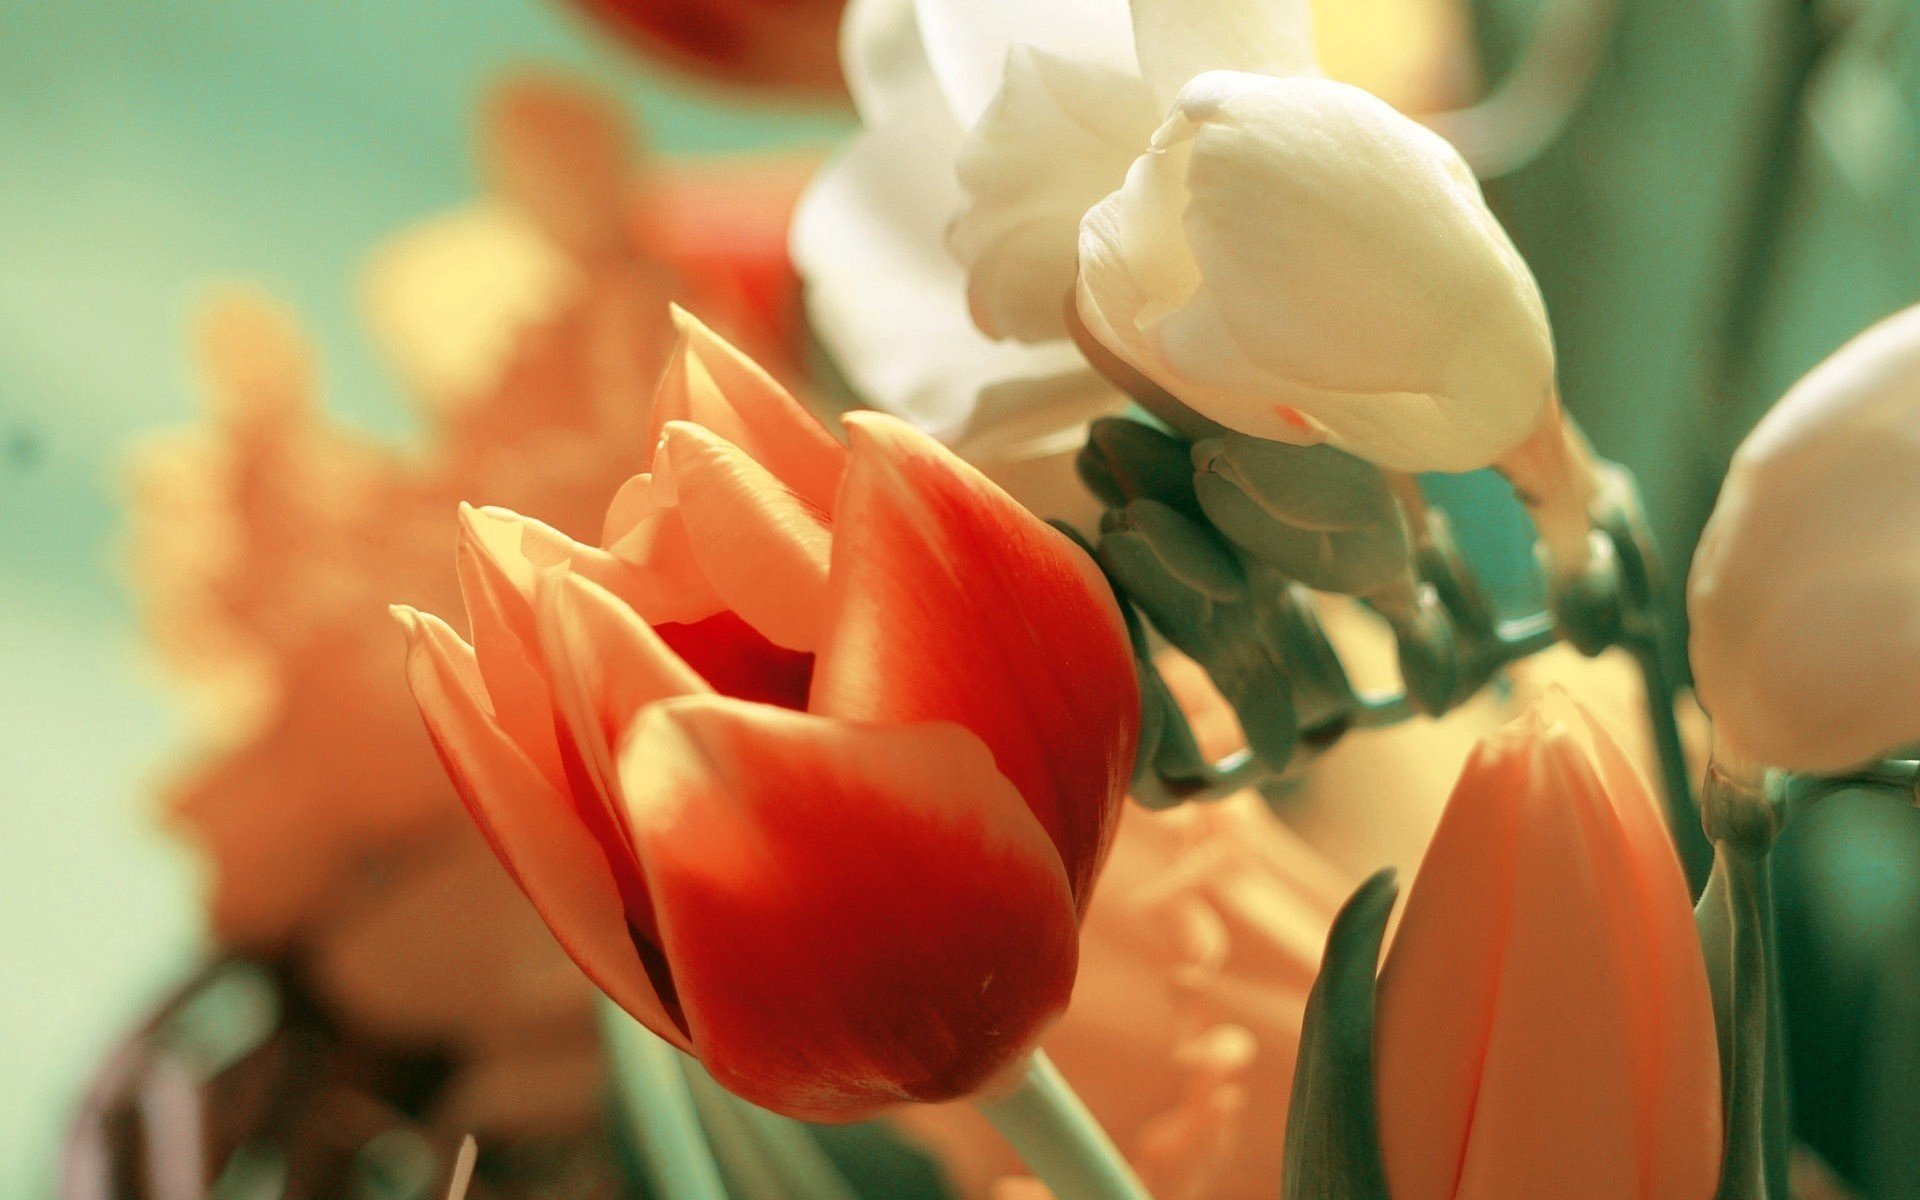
(791,44)
(529,327)
(1196,958)
(1545,1027)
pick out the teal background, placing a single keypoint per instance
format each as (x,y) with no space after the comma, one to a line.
(148,148)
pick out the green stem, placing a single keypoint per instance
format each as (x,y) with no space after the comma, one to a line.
(1683,816)
(1744,816)
(656,1103)
(1045,1122)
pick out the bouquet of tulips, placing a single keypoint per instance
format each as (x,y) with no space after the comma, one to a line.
(1043,742)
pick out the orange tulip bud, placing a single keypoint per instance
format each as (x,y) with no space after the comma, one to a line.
(1544,1026)
(811,764)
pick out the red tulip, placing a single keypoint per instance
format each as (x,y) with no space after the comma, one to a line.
(811,765)
(1545,1027)
(767,43)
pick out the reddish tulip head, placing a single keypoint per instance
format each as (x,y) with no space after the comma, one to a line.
(812,763)
(1545,1027)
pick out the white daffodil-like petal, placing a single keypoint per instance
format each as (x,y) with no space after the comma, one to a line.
(883,295)
(1298,261)
(1804,601)
(967,42)
(1051,145)
(1177,40)
(885,64)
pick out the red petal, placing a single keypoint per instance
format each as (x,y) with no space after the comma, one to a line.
(853,916)
(605,665)
(709,383)
(533,828)
(951,602)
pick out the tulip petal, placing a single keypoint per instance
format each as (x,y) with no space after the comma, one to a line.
(711,384)
(1178,40)
(1058,137)
(496,582)
(1680,1102)
(532,826)
(854,915)
(967,42)
(762,547)
(668,583)
(951,602)
(605,665)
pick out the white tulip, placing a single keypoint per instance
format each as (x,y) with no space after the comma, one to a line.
(1298,261)
(1804,597)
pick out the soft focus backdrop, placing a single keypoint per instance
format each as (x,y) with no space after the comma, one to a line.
(147,150)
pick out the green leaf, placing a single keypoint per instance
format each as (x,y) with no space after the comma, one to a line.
(1318,514)
(1333,1134)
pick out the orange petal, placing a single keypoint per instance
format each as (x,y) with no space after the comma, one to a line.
(532,827)
(1680,1102)
(709,383)
(951,602)
(853,915)
(496,581)
(1431,1038)
(669,584)
(762,548)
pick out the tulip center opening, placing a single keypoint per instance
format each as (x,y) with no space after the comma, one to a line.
(737,661)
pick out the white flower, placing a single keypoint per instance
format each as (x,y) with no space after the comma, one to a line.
(1805,592)
(1411,333)
(1298,261)
(886,298)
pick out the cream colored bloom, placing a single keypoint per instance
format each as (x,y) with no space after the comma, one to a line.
(940,248)
(884,296)
(1298,261)
(1805,594)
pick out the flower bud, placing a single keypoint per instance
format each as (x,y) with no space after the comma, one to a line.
(1297,261)
(1195,592)
(1803,590)
(1319,516)
(1545,1026)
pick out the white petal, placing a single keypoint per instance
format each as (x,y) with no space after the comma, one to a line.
(1179,39)
(1059,136)
(1295,259)
(884,59)
(883,294)
(967,41)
